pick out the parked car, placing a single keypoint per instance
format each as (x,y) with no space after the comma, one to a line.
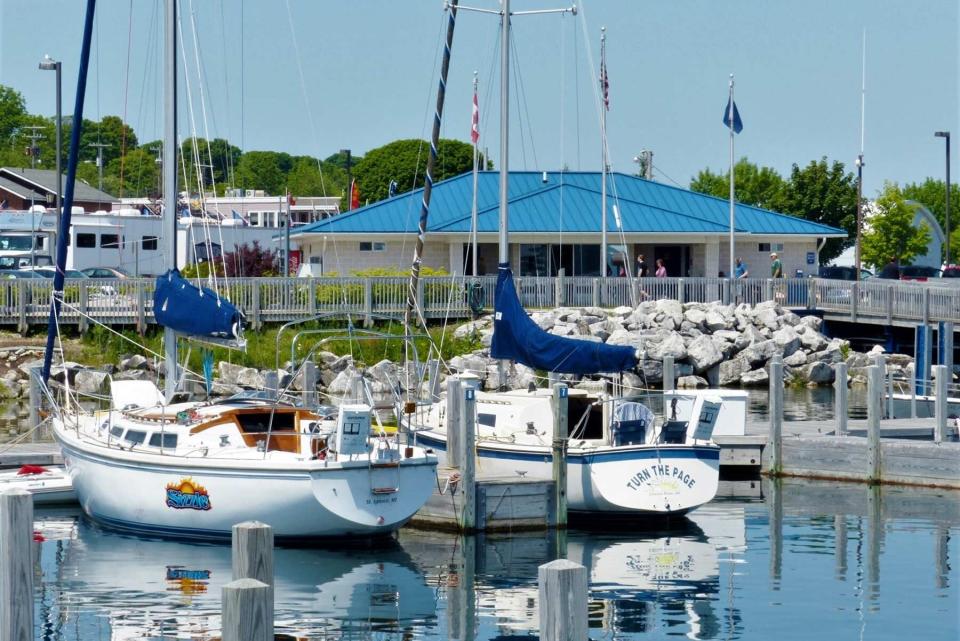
(19,273)
(843,272)
(951,271)
(918,272)
(50,272)
(105,272)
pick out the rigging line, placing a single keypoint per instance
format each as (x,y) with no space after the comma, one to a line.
(126,89)
(193,147)
(211,257)
(303,92)
(516,97)
(563,113)
(662,173)
(228,156)
(576,87)
(522,97)
(594,81)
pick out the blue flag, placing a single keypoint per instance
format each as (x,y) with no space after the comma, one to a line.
(737,123)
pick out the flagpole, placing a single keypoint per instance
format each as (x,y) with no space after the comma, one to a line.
(603,152)
(475,137)
(730,123)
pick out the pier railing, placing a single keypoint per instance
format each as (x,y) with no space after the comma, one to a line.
(25,302)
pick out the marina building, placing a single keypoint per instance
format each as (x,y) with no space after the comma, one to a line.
(555,223)
(21,189)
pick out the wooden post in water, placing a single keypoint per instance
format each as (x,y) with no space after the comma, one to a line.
(36,398)
(433,370)
(776,416)
(252,553)
(560,436)
(840,544)
(271,381)
(461,599)
(563,601)
(310,384)
(942,377)
(874,412)
(16,565)
(776,531)
(468,417)
(942,555)
(874,540)
(247,611)
(840,403)
(454,395)
(668,378)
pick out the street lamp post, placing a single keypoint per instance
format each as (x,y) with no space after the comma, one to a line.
(49,64)
(946,135)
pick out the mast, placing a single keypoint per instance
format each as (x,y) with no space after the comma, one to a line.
(504,254)
(67,201)
(859,160)
(475,136)
(603,152)
(431,163)
(170,179)
(733,219)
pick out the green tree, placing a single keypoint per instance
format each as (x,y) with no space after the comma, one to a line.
(405,161)
(305,178)
(753,185)
(890,231)
(12,111)
(824,193)
(111,131)
(265,170)
(932,194)
(219,152)
(138,176)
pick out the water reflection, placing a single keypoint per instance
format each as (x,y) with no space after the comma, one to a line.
(848,556)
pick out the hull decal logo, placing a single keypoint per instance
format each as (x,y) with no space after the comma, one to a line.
(187,495)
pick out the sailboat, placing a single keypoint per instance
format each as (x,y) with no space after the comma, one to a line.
(621,459)
(194,469)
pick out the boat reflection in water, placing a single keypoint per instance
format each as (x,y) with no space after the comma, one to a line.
(636,579)
(150,589)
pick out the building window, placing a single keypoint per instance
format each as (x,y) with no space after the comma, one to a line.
(373,247)
(150,243)
(86,240)
(770,247)
(203,253)
(110,240)
(534,260)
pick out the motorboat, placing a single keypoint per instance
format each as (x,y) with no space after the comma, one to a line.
(49,484)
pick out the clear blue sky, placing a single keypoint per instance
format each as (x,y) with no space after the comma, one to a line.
(370,70)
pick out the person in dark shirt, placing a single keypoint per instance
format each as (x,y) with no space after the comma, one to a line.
(891,270)
(641,267)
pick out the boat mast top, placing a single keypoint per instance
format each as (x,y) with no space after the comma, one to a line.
(504,255)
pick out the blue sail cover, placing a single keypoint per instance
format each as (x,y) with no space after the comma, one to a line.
(517,338)
(194,311)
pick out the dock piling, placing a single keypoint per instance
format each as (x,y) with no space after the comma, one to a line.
(669,380)
(874,413)
(840,398)
(247,611)
(560,436)
(454,396)
(16,565)
(36,398)
(468,417)
(563,601)
(776,416)
(942,376)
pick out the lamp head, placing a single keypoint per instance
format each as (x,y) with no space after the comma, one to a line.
(942,134)
(49,64)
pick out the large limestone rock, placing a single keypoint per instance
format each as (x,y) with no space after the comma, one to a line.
(796,359)
(695,316)
(703,354)
(731,371)
(652,370)
(767,318)
(672,345)
(755,378)
(818,372)
(623,337)
(137,361)
(250,378)
(691,382)
(672,310)
(90,381)
(760,353)
(715,321)
(787,339)
(229,372)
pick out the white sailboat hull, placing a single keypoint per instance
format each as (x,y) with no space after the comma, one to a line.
(300,500)
(669,479)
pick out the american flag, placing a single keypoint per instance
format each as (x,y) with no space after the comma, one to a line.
(475,121)
(605,85)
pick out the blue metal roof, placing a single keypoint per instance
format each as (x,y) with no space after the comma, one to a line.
(568,202)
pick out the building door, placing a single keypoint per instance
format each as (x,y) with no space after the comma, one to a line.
(675,259)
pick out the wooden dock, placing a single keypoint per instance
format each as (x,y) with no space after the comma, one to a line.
(30,454)
(502,503)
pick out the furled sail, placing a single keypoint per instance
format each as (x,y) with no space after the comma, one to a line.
(194,311)
(516,337)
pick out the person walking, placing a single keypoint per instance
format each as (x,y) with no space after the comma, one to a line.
(741,271)
(891,270)
(641,267)
(776,267)
(661,269)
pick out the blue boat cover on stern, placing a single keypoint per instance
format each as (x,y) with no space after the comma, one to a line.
(516,337)
(188,309)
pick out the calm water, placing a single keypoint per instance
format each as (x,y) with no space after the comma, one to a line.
(791,561)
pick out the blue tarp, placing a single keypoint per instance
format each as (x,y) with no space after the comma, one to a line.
(517,338)
(194,311)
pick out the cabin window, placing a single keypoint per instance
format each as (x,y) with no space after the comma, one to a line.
(490,420)
(770,247)
(160,439)
(150,243)
(110,240)
(116,430)
(373,247)
(259,422)
(86,240)
(134,437)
